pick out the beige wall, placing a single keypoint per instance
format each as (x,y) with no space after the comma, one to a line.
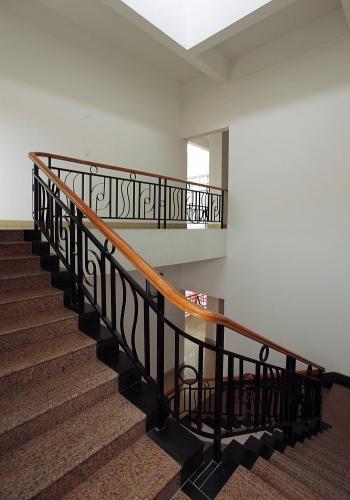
(287,272)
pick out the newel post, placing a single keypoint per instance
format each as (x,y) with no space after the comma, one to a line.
(219,362)
(290,390)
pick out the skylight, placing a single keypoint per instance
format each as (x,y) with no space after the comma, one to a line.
(190,22)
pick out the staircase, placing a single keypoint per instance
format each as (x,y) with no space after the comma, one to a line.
(65,430)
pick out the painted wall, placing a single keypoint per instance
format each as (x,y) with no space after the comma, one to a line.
(287,271)
(54,97)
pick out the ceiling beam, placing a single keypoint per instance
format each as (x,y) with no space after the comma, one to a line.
(346,9)
(213,64)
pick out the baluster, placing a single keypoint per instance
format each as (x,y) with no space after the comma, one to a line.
(146,338)
(200,389)
(80,281)
(240,384)
(36,197)
(165,202)
(103,284)
(159,200)
(257,395)
(218,392)
(176,377)
(160,359)
(72,252)
(113,299)
(230,397)
(289,393)
(265,410)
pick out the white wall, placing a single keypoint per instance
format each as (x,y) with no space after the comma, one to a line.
(287,271)
(56,98)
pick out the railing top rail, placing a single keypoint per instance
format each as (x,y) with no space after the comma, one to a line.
(160,283)
(123,169)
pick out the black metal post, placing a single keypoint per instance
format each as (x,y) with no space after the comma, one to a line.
(80,298)
(72,253)
(219,361)
(165,202)
(160,360)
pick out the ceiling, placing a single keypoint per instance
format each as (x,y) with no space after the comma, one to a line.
(294,16)
(110,26)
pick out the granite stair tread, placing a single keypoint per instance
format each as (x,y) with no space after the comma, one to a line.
(143,470)
(245,485)
(20,358)
(314,482)
(20,405)
(282,482)
(23,323)
(21,295)
(53,463)
(24,274)
(338,480)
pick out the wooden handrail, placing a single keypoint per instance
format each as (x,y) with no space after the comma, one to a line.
(123,169)
(160,283)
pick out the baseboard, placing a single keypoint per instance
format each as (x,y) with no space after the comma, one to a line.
(331,378)
(16,224)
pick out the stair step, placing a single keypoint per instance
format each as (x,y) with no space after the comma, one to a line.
(50,465)
(11,235)
(24,281)
(21,264)
(29,303)
(25,414)
(313,482)
(244,485)
(325,455)
(35,362)
(338,480)
(15,248)
(24,330)
(143,470)
(282,482)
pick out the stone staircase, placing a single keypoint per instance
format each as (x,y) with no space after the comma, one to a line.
(66,431)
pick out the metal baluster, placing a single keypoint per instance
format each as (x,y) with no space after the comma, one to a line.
(257,395)
(146,338)
(218,392)
(113,299)
(80,281)
(72,252)
(160,360)
(230,393)
(176,377)
(165,202)
(159,200)
(200,389)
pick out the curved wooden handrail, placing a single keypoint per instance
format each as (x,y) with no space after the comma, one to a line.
(160,283)
(123,169)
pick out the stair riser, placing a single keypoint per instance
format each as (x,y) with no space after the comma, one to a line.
(17,266)
(15,249)
(84,470)
(42,371)
(31,307)
(25,283)
(33,334)
(11,235)
(54,416)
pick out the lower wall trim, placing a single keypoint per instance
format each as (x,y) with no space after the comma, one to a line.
(16,224)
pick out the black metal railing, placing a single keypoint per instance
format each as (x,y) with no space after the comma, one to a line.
(271,396)
(135,196)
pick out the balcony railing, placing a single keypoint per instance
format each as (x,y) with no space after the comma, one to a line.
(122,194)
